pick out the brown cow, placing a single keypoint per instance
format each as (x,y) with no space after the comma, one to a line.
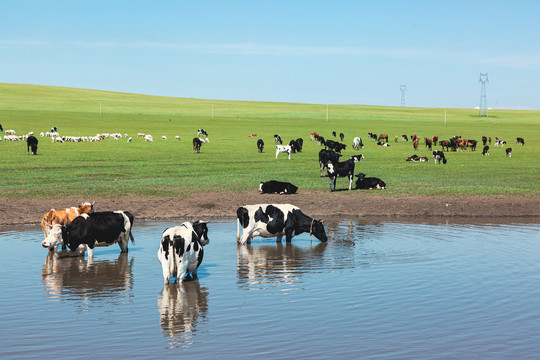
(435,140)
(383,136)
(64,217)
(415,144)
(395,138)
(428,142)
(415,137)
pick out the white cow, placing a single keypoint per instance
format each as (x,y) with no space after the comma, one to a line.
(283,148)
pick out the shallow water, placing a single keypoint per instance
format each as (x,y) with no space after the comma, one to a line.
(376,289)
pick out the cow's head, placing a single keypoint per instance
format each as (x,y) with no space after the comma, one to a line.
(357,158)
(201,229)
(54,238)
(317,229)
(360,176)
(86,208)
(260,187)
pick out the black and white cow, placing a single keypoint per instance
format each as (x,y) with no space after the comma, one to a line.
(197,142)
(509,152)
(181,250)
(383,144)
(499,142)
(519,140)
(269,220)
(277,187)
(404,137)
(295,146)
(364,182)
(277,139)
(260,145)
(202,132)
(438,156)
(326,156)
(90,230)
(485,151)
(32,143)
(336,146)
(342,169)
(357,143)
(283,148)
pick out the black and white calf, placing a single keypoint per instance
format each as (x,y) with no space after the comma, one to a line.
(509,152)
(438,156)
(520,141)
(277,139)
(269,220)
(31,144)
(283,148)
(485,151)
(260,145)
(326,156)
(342,169)
(93,229)
(202,132)
(383,144)
(404,138)
(181,250)
(277,187)
(364,182)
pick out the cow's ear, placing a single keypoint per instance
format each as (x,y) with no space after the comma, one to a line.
(321,221)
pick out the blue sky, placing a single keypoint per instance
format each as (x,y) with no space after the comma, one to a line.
(336,52)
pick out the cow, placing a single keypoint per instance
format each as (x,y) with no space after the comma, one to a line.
(333,133)
(485,151)
(314,135)
(383,144)
(444,144)
(32,143)
(438,156)
(415,144)
(283,148)
(489,140)
(484,140)
(342,169)
(499,142)
(364,182)
(65,216)
(396,138)
(181,250)
(325,156)
(520,141)
(357,143)
(435,139)
(295,146)
(341,136)
(277,139)
(383,137)
(334,145)
(148,138)
(372,136)
(415,137)
(277,187)
(269,220)
(260,145)
(10,132)
(197,142)
(1,128)
(252,135)
(404,138)
(202,132)
(428,142)
(416,158)
(472,144)
(93,229)
(129,140)
(509,152)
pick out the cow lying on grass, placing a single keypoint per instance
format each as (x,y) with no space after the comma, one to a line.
(277,187)
(364,182)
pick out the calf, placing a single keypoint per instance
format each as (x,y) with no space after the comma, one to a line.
(364,182)
(181,250)
(520,141)
(269,220)
(197,142)
(484,140)
(32,143)
(383,144)
(342,169)
(485,151)
(435,139)
(341,136)
(202,132)
(428,143)
(499,142)
(438,156)
(509,152)
(404,138)
(260,145)
(325,156)
(283,148)
(357,143)
(90,230)
(277,187)
(383,137)
(415,144)
(277,139)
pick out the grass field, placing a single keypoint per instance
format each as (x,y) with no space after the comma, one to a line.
(230,162)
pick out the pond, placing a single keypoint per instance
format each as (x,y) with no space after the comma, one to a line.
(378,289)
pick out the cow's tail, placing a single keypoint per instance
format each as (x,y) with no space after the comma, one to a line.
(131,236)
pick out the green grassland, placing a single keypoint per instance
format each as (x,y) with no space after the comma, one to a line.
(230,161)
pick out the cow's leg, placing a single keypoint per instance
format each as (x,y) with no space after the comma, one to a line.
(278,238)
(166,271)
(350,181)
(289,155)
(182,270)
(246,235)
(90,253)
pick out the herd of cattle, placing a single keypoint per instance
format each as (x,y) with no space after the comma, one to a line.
(180,250)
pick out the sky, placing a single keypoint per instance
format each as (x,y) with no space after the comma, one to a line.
(327,52)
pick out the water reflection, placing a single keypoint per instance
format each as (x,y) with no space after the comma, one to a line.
(182,306)
(276,263)
(74,278)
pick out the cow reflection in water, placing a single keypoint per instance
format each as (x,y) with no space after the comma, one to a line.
(276,263)
(73,277)
(182,306)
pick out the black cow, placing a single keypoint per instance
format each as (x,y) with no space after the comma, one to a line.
(484,140)
(472,144)
(325,156)
(202,132)
(520,141)
(509,152)
(341,136)
(485,151)
(93,229)
(438,156)
(197,142)
(277,139)
(260,145)
(296,146)
(269,220)
(364,182)
(404,138)
(32,143)
(333,133)
(334,145)
(277,187)
(342,169)
(1,128)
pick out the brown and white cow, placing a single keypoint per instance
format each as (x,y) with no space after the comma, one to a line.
(64,216)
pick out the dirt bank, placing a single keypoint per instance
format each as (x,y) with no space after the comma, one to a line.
(316,204)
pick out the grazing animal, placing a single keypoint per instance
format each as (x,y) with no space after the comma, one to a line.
(164,137)
(325,156)
(269,220)
(415,144)
(295,146)
(383,144)
(64,216)
(342,169)
(428,143)
(383,137)
(484,140)
(372,136)
(435,139)
(509,152)
(129,140)
(520,141)
(364,182)
(313,135)
(283,148)
(94,229)
(336,146)
(357,143)
(31,143)
(277,139)
(471,144)
(181,250)
(177,137)
(10,132)
(438,156)
(341,136)
(1,128)
(499,142)
(260,145)
(485,151)
(148,138)
(197,142)
(404,138)
(277,187)
(396,138)
(333,133)
(444,144)
(252,135)
(202,132)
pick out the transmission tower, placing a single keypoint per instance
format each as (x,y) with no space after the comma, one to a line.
(483,101)
(403,88)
